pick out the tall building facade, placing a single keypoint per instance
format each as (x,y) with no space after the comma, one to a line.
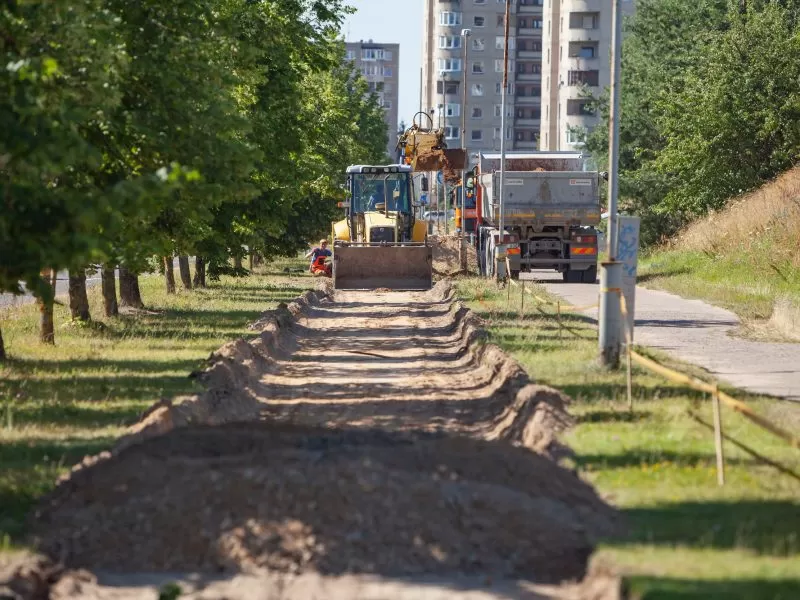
(380,65)
(576,38)
(454,63)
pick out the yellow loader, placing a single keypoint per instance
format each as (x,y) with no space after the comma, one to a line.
(380,243)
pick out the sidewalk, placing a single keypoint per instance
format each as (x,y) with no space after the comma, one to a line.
(698,333)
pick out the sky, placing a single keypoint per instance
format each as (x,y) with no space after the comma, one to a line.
(393,22)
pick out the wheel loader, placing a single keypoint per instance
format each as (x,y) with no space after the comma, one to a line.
(380,243)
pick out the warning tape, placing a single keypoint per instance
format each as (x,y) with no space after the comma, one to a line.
(669,374)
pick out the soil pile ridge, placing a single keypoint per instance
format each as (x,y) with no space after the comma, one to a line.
(371,433)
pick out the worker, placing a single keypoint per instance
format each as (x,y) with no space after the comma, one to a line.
(376,197)
(319,256)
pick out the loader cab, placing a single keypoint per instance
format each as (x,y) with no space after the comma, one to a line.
(380,189)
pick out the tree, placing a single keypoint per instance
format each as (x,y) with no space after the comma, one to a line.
(736,123)
(60,76)
(663,41)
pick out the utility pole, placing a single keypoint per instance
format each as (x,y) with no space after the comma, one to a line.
(610,339)
(444,124)
(500,249)
(465,33)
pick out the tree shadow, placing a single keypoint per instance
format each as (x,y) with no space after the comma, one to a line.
(645,277)
(667,588)
(769,527)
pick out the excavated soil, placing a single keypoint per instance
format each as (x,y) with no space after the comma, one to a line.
(447,255)
(366,433)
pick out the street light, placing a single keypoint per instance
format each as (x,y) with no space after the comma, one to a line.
(465,33)
(444,124)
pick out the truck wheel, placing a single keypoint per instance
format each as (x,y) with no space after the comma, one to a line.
(573,276)
(514,274)
(590,275)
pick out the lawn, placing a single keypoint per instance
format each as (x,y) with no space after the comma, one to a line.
(688,537)
(59,404)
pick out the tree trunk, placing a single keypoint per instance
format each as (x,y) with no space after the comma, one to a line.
(47,332)
(237,263)
(169,274)
(250,262)
(186,274)
(129,293)
(199,273)
(2,348)
(108,284)
(78,299)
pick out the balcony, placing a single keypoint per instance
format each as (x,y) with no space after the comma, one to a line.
(528,100)
(529,77)
(527,123)
(529,54)
(527,145)
(529,32)
(529,9)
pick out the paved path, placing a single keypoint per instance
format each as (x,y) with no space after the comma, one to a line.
(699,333)
(62,289)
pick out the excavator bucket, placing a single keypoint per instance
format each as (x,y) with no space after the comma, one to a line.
(368,267)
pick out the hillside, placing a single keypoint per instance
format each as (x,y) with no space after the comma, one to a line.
(745,258)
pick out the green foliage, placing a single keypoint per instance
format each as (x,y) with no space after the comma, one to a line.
(132,129)
(663,40)
(736,123)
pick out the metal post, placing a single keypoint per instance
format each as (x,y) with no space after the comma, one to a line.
(720,450)
(500,249)
(444,124)
(465,33)
(611,271)
(420,89)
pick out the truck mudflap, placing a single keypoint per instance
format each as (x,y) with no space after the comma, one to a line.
(372,266)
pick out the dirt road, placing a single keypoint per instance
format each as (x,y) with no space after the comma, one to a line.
(362,446)
(699,333)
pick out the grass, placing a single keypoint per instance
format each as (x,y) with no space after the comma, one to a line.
(688,538)
(745,258)
(59,404)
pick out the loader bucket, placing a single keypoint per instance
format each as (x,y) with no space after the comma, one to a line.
(394,267)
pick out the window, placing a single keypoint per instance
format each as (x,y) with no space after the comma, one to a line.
(576,136)
(452,110)
(477,112)
(480,1)
(478,44)
(479,21)
(498,65)
(478,68)
(498,88)
(452,133)
(367,70)
(498,110)
(531,68)
(591,78)
(449,64)
(496,134)
(536,22)
(477,89)
(477,135)
(449,42)
(386,103)
(451,88)
(351,55)
(580,107)
(386,71)
(500,42)
(375,54)
(583,20)
(501,21)
(448,18)
(583,49)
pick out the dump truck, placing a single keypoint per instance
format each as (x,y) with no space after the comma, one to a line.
(552,208)
(380,243)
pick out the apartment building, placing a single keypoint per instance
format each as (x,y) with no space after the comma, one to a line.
(453,63)
(576,38)
(379,64)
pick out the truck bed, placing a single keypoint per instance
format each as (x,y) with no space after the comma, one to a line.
(543,198)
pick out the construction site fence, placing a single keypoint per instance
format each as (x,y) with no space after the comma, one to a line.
(718,397)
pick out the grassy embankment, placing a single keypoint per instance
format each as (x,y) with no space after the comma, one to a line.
(59,404)
(745,258)
(688,537)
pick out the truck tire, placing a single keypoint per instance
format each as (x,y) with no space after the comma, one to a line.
(573,276)
(514,274)
(590,275)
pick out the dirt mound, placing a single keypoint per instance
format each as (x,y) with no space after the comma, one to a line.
(447,255)
(234,497)
(357,433)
